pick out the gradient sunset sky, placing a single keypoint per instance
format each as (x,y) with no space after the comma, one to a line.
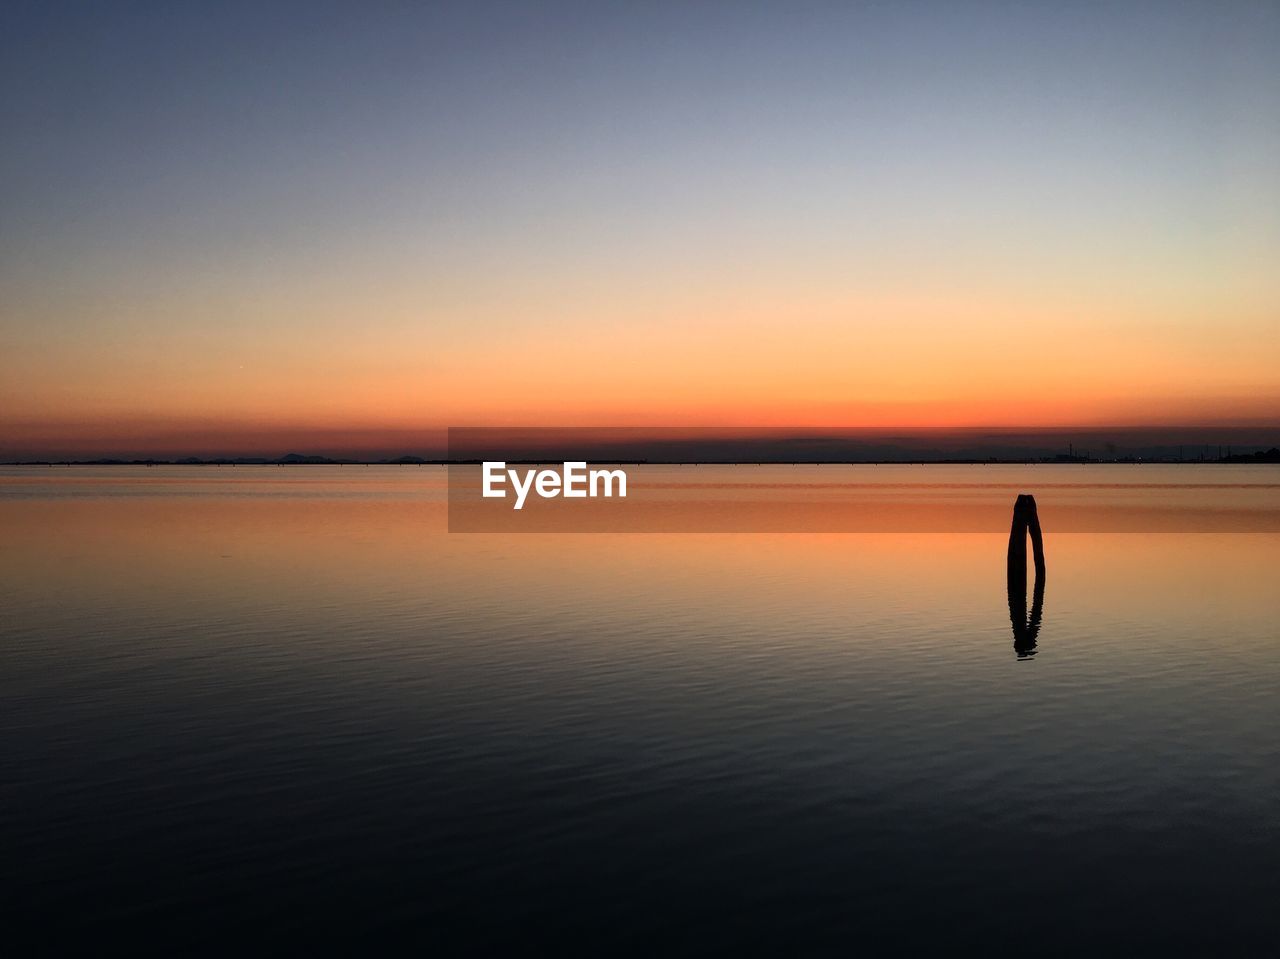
(248,227)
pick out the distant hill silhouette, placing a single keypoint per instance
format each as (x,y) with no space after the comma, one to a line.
(697,453)
(294,459)
(1262,456)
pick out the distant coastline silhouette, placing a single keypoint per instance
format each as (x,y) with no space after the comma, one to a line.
(1026,522)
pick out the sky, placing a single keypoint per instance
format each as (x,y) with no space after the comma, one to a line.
(234,227)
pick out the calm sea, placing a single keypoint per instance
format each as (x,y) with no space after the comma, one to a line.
(283,709)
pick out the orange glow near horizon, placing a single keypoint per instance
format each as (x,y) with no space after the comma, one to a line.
(902,363)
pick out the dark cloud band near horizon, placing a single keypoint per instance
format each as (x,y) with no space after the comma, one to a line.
(683,444)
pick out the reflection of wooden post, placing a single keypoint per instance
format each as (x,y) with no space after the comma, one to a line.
(1025,522)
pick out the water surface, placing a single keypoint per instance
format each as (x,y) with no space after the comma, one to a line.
(283,706)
